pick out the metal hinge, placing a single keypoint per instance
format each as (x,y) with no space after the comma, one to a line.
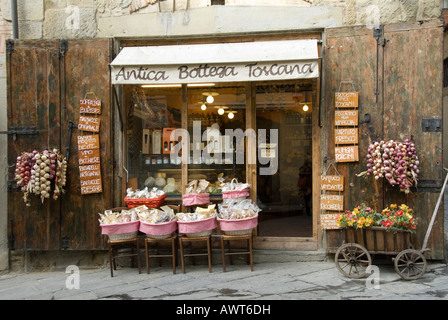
(63,47)
(432,125)
(9,46)
(20,131)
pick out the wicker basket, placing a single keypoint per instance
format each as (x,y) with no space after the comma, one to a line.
(158,230)
(122,236)
(198,228)
(238,226)
(121,231)
(150,203)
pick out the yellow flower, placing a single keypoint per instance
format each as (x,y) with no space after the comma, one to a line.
(403,207)
(393,206)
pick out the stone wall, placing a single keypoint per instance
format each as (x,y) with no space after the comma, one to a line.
(42,19)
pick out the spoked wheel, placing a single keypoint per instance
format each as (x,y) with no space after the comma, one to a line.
(352,260)
(410,264)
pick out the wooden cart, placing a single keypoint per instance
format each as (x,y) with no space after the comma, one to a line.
(354,256)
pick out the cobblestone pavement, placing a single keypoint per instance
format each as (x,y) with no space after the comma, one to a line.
(268,281)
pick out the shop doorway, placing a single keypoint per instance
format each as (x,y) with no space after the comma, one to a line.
(285,110)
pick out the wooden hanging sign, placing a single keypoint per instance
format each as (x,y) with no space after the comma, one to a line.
(346,136)
(332,183)
(90,106)
(346,154)
(346,117)
(346,100)
(88,142)
(331,202)
(91,186)
(89,124)
(89,156)
(88,172)
(328,221)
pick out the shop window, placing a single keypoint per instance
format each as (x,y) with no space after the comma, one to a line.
(152,113)
(216,124)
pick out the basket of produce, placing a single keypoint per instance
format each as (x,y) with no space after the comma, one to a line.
(195,194)
(158,223)
(151,199)
(238,218)
(202,222)
(119,223)
(234,189)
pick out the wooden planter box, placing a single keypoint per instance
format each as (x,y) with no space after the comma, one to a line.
(374,239)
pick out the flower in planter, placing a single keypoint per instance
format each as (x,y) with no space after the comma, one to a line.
(361,216)
(398,218)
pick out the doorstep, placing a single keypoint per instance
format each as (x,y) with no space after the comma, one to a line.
(45,261)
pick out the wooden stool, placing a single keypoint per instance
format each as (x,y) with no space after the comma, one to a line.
(132,244)
(229,238)
(195,239)
(173,254)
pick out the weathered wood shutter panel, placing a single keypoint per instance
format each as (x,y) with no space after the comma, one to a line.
(86,72)
(409,86)
(33,101)
(45,85)
(413,80)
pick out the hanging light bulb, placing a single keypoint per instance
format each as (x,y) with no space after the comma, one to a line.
(210,99)
(305,108)
(231,115)
(221,111)
(203,107)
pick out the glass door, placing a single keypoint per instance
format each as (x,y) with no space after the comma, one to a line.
(284,111)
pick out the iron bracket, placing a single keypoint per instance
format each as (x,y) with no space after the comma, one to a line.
(20,131)
(369,126)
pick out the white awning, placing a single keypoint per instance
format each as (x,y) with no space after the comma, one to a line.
(223,62)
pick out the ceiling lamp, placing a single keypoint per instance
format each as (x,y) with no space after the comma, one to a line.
(305,107)
(210,96)
(231,115)
(221,111)
(203,107)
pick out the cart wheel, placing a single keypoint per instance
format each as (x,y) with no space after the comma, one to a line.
(410,264)
(352,260)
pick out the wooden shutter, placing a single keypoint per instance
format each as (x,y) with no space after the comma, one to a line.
(46,80)
(408,83)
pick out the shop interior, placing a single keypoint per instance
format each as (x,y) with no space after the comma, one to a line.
(282,108)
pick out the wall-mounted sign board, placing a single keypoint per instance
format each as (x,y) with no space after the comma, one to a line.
(346,117)
(90,106)
(346,154)
(329,221)
(346,136)
(90,156)
(91,186)
(346,100)
(88,142)
(331,202)
(88,172)
(91,124)
(332,183)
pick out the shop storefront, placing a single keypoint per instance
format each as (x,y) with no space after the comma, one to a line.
(247,111)
(259,108)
